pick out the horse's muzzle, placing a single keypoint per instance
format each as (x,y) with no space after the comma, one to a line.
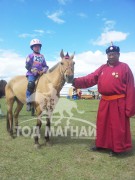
(69,79)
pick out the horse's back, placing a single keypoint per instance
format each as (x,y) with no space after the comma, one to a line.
(16,87)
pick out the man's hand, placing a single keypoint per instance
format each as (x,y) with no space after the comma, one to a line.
(73,82)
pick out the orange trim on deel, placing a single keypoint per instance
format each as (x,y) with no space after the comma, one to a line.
(113,97)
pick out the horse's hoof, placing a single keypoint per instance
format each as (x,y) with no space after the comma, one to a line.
(36,146)
(11,134)
(10,137)
(18,132)
(49,144)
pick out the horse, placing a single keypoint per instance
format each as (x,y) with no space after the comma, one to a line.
(44,98)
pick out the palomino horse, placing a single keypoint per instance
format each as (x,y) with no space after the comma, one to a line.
(45,97)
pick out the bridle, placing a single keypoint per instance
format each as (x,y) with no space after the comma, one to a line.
(66,68)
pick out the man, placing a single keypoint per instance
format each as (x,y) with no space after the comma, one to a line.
(116,85)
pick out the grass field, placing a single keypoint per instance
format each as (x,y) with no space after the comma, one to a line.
(66,159)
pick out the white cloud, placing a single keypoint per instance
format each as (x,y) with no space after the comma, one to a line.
(22,1)
(63,2)
(13,64)
(107,37)
(129,58)
(50,32)
(109,34)
(56,17)
(88,62)
(109,25)
(38,32)
(82,15)
(25,35)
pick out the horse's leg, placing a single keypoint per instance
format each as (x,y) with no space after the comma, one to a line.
(38,126)
(49,111)
(47,131)
(16,114)
(39,111)
(32,111)
(37,132)
(10,103)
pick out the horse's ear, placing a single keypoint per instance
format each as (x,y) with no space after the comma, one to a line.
(62,54)
(72,56)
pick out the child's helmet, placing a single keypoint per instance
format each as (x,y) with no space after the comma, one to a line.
(34,42)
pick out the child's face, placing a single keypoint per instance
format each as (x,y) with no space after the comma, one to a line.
(36,48)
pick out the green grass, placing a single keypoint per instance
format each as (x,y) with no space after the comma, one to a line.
(67,159)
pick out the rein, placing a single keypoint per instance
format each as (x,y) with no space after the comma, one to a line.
(37,81)
(61,73)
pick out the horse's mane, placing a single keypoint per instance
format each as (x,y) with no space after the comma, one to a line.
(51,69)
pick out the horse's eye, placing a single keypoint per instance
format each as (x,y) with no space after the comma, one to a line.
(62,63)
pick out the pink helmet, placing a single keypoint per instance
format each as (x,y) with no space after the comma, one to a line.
(34,42)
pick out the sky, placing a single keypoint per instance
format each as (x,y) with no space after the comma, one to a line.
(85,27)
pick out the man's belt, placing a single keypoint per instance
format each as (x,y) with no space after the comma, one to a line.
(113,97)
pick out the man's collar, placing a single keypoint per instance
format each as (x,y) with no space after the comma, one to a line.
(112,65)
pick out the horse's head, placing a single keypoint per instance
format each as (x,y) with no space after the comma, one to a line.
(67,66)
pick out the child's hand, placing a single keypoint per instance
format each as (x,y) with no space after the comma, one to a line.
(40,72)
(34,70)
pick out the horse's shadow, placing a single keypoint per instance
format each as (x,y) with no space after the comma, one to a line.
(88,142)
(67,139)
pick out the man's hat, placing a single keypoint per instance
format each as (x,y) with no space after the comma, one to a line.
(112,48)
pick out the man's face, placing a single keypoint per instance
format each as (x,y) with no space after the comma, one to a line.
(113,57)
